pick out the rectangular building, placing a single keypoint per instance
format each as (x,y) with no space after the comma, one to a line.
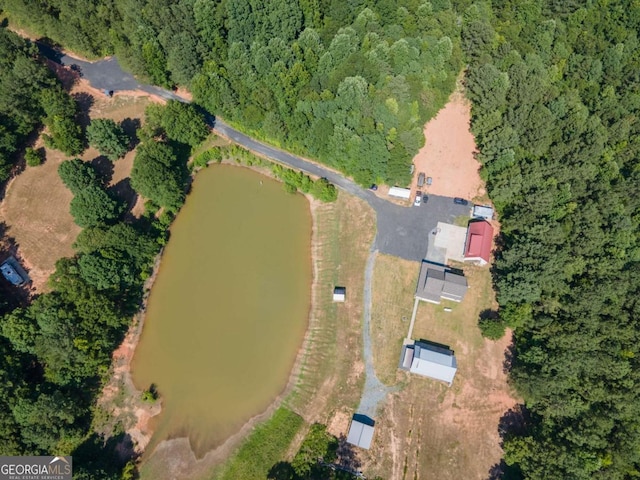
(430,361)
(436,282)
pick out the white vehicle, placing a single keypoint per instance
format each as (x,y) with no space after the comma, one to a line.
(418,201)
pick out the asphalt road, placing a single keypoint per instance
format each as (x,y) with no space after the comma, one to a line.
(401,231)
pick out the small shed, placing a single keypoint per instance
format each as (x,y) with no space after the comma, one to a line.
(398,192)
(483,211)
(13,272)
(361,431)
(339,294)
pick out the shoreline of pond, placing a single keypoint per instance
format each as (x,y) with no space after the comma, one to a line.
(121,381)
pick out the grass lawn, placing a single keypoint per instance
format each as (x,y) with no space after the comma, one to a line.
(394,283)
(329,372)
(266,446)
(427,426)
(36,205)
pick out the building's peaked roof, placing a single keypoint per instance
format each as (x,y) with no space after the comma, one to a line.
(483,211)
(361,431)
(479,239)
(431,361)
(455,286)
(435,282)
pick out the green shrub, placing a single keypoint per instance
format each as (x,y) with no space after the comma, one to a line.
(492,328)
(34,157)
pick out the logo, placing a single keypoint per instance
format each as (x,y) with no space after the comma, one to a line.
(36,468)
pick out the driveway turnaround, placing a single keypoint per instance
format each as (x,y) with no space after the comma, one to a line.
(401,231)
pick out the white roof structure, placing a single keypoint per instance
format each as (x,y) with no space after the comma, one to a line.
(430,361)
(400,192)
(339,294)
(483,211)
(361,431)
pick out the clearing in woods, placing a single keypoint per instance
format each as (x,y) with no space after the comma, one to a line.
(448,155)
(326,383)
(427,426)
(35,208)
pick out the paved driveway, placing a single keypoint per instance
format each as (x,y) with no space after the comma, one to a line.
(402,231)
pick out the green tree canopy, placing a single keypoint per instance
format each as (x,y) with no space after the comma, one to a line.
(157,175)
(108,138)
(77,175)
(180,121)
(93,206)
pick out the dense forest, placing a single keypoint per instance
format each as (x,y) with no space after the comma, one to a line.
(555,91)
(29,96)
(350,83)
(556,102)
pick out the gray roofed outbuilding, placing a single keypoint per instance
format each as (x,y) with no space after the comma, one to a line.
(13,272)
(430,360)
(361,431)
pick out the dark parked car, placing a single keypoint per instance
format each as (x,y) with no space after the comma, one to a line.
(424,199)
(460,201)
(373,187)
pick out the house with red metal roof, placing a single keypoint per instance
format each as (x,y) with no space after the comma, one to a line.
(478,245)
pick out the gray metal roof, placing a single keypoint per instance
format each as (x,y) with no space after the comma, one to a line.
(13,272)
(455,286)
(360,434)
(483,211)
(434,362)
(435,283)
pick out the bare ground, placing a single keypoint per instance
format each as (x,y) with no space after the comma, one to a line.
(448,156)
(36,203)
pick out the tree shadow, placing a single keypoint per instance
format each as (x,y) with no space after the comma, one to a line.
(84,101)
(514,422)
(281,471)
(347,457)
(100,457)
(104,168)
(130,127)
(489,314)
(509,357)
(68,76)
(123,191)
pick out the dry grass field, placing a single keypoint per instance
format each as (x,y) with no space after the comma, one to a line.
(328,377)
(426,427)
(36,204)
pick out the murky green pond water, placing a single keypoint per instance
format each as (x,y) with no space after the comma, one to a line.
(229,308)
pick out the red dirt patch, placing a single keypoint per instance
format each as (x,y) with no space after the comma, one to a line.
(448,156)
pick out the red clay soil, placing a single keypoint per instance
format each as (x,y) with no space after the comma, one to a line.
(448,156)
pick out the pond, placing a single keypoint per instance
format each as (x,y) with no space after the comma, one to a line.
(229,308)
